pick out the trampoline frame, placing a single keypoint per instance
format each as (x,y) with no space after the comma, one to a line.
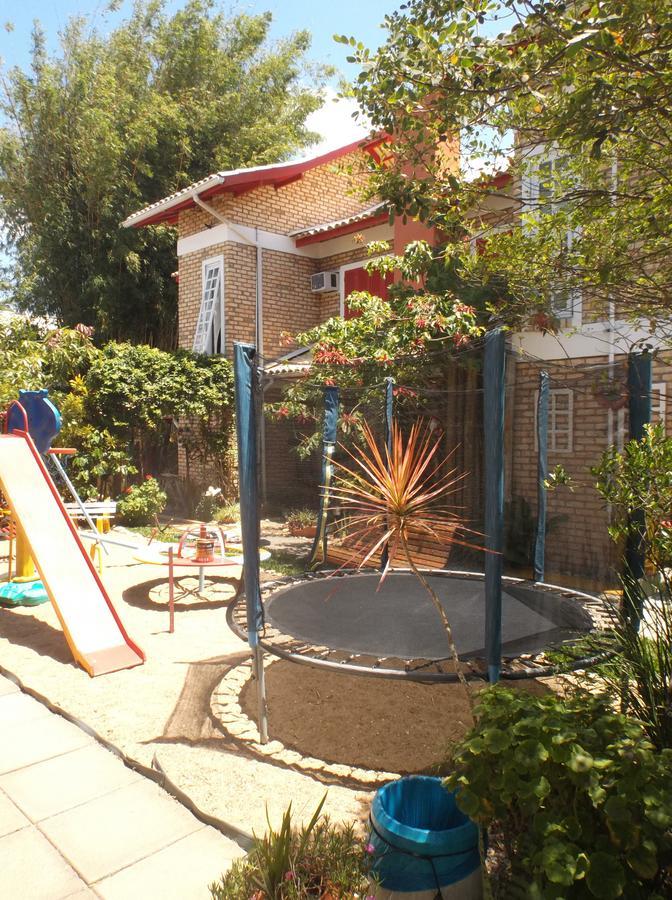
(249,400)
(593,605)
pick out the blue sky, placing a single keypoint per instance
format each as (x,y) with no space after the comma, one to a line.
(323,20)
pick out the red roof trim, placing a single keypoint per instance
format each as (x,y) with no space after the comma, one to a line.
(247,180)
(362,224)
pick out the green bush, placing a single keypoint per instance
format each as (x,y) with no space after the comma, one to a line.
(640,479)
(227,514)
(579,793)
(142,503)
(209,504)
(300,518)
(319,860)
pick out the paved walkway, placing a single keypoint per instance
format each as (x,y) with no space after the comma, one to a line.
(76,822)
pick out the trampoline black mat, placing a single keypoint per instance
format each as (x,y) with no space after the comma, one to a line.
(355,613)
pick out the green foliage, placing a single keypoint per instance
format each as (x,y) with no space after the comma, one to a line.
(69,354)
(300,518)
(21,358)
(119,117)
(141,503)
(640,478)
(591,80)
(227,514)
(138,386)
(318,860)
(413,336)
(118,403)
(208,504)
(580,794)
(136,390)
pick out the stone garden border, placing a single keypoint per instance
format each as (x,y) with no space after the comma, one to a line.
(229,716)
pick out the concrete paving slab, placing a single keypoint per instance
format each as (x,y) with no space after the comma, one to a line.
(11,817)
(104,835)
(58,784)
(18,707)
(181,871)
(7,686)
(26,743)
(31,869)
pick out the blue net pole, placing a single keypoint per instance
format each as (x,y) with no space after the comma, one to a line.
(245,377)
(329,436)
(542,475)
(639,409)
(389,416)
(493,426)
(246,383)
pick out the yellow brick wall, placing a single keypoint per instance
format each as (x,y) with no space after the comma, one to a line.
(328,192)
(577,542)
(288,303)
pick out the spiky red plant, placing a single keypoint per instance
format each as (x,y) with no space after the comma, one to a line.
(391,493)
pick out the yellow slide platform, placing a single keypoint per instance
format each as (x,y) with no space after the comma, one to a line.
(92,628)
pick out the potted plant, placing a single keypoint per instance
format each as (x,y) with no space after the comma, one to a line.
(301,522)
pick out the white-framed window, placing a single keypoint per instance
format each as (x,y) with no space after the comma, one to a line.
(546,166)
(209,334)
(560,420)
(621,435)
(658,398)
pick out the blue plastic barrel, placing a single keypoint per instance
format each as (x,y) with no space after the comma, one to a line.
(420,841)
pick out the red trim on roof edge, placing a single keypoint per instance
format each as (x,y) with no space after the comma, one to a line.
(363,224)
(245,181)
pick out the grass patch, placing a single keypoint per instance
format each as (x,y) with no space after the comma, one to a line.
(168,535)
(284,563)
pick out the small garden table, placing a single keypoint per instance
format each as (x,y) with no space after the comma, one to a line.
(173,560)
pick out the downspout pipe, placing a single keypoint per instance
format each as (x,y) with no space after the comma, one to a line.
(258,313)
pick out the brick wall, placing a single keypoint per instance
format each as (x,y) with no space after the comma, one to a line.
(291,482)
(328,192)
(577,541)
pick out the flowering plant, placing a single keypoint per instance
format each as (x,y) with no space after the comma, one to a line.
(410,336)
(141,503)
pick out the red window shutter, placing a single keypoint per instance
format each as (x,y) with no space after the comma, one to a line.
(360,280)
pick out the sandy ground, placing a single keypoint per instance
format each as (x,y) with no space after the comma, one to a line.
(370,723)
(366,722)
(162,709)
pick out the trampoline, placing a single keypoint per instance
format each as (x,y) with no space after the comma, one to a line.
(350,621)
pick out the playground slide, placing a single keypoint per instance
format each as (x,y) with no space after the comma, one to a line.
(92,628)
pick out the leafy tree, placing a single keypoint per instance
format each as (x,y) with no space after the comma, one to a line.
(414,336)
(594,82)
(135,391)
(640,478)
(21,358)
(118,120)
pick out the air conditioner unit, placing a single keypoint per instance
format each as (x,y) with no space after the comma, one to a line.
(321,282)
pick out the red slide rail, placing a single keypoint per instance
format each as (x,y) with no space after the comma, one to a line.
(59,502)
